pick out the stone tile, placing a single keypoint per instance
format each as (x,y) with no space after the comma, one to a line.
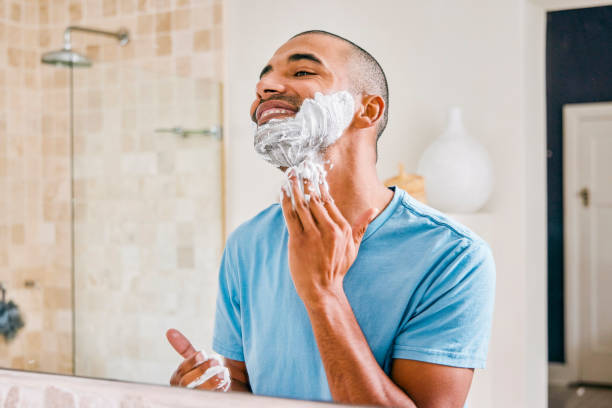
(201,40)
(18,234)
(217,14)
(163,22)
(57,298)
(43,11)
(185,257)
(144,5)
(127,6)
(12,398)
(164,45)
(15,12)
(181,20)
(56,398)
(109,8)
(75,11)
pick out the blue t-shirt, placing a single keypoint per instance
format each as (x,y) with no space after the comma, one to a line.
(421,288)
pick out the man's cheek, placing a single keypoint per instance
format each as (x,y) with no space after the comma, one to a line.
(254,106)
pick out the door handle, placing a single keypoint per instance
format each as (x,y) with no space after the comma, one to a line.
(585,195)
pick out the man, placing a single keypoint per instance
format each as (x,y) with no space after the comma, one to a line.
(334,299)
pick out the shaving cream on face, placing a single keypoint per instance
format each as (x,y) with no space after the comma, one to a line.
(298,142)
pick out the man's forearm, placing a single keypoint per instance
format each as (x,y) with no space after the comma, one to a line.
(239,375)
(353,373)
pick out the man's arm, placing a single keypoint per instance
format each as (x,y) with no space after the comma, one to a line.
(432,385)
(322,247)
(239,375)
(354,375)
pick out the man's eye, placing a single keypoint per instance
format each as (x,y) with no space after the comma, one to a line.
(303,73)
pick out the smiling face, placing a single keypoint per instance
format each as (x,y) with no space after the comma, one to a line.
(302,66)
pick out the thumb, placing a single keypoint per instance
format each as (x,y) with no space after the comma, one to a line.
(180,343)
(362,223)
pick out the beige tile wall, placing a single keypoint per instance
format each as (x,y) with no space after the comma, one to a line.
(34,201)
(148,208)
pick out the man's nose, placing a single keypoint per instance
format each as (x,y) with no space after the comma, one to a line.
(269,85)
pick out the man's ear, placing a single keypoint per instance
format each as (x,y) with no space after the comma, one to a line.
(371,110)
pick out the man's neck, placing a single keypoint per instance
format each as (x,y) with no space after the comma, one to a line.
(355,188)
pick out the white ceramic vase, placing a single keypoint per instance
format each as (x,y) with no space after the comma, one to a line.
(457,170)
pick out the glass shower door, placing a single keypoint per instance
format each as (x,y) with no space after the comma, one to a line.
(148,217)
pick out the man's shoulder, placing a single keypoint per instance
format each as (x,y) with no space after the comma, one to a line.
(413,216)
(451,246)
(260,227)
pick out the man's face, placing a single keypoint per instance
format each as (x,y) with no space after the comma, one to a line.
(302,66)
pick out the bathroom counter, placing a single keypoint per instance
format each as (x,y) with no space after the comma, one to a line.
(28,389)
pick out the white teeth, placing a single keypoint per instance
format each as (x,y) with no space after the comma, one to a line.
(272,111)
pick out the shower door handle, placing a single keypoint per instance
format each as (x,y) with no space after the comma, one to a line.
(585,196)
(214,131)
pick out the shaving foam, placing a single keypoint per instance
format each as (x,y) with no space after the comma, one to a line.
(219,371)
(297,143)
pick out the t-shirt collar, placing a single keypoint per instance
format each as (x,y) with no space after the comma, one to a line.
(385,214)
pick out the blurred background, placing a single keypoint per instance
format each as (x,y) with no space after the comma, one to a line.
(120,180)
(100,281)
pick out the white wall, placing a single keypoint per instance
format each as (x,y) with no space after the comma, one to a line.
(534,134)
(436,54)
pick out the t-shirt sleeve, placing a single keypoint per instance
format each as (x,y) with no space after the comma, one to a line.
(227,336)
(451,322)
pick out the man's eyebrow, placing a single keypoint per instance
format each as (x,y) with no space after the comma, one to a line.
(264,71)
(293,58)
(310,57)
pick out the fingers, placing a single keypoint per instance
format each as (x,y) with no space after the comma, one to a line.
(187,365)
(320,215)
(332,210)
(197,372)
(215,378)
(295,208)
(180,343)
(317,212)
(293,222)
(301,207)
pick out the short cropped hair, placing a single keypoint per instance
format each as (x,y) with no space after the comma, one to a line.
(368,77)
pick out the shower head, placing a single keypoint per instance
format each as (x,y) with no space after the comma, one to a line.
(67,58)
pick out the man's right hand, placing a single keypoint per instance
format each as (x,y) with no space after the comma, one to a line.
(194,366)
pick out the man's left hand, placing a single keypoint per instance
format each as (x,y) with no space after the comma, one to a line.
(322,243)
